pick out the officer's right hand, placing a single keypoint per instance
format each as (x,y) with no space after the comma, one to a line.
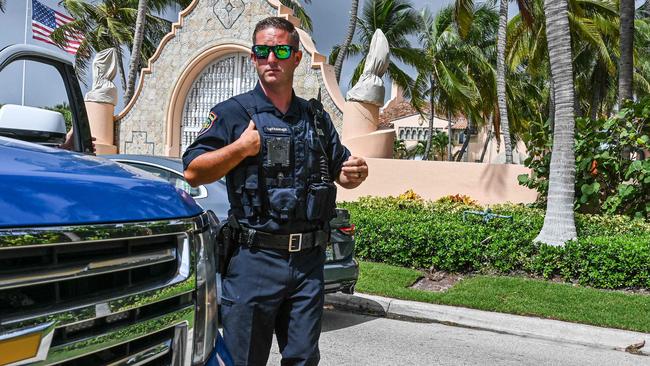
(250,140)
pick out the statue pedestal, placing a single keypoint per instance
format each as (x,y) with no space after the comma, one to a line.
(100,116)
(360,134)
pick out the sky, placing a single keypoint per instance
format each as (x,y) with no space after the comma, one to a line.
(329,17)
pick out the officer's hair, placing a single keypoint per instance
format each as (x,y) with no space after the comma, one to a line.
(279,23)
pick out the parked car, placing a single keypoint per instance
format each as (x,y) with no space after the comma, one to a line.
(341,269)
(100,264)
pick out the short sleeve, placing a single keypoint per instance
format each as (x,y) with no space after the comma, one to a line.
(212,136)
(338,153)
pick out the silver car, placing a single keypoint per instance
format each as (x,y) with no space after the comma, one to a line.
(341,269)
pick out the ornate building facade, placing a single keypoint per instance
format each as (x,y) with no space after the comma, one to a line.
(203,61)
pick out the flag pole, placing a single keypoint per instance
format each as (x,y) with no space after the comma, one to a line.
(25,42)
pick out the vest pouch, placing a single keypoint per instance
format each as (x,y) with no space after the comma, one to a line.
(282,202)
(321,202)
(252,201)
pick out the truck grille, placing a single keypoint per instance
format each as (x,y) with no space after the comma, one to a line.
(38,278)
(102,294)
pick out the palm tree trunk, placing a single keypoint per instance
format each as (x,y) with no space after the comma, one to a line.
(427,149)
(559,221)
(551,104)
(449,157)
(487,141)
(626,62)
(136,51)
(463,148)
(501,79)
(338,65)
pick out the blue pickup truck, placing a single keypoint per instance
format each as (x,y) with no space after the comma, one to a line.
(100,264)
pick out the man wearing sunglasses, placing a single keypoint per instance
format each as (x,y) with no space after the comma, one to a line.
(280,155)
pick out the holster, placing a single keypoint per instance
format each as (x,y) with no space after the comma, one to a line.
(226,243)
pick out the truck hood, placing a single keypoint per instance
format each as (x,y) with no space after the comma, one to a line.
(41,186)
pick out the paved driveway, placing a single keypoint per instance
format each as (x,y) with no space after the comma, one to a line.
(355,340)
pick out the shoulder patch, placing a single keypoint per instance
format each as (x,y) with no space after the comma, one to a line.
(208,123)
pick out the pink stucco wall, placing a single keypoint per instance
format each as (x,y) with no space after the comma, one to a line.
(486,183)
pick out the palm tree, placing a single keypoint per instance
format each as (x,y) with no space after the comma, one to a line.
(559,221)
(338,65)
(398,20)
(626,62)
(2,6)
(138,36)
(109,23)
(447,79)
(464,15)
(594,37)
(300,13)
(501,71)
(644,10)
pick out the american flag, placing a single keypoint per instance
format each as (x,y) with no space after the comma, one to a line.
(45,20)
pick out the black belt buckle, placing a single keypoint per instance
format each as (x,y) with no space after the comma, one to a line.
(295,242)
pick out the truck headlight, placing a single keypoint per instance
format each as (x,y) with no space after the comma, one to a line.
(205,328)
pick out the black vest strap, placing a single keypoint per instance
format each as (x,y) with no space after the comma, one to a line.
(247,102)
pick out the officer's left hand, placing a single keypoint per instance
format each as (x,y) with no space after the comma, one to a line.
(354,170)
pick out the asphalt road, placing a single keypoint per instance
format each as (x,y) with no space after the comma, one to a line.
(352,339)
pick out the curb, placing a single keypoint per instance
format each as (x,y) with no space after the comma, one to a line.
(522,326)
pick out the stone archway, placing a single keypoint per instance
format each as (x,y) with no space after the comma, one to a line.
(207,80)
(229,75)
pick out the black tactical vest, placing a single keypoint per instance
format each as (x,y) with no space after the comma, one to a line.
(281,189)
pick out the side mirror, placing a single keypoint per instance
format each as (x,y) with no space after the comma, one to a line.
(32,124)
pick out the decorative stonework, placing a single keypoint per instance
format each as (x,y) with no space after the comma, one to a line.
(139,144)
(206,31)
(228,11)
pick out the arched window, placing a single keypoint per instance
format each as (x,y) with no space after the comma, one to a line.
(229,75)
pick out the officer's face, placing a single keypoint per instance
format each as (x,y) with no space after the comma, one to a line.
(271,70)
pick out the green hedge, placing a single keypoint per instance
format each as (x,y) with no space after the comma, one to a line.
(612,252)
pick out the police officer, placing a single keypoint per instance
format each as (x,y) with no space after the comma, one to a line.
(280,155)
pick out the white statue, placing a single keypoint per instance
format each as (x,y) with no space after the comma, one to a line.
(104,70)
(370,87)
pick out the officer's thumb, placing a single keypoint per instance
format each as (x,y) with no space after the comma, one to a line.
(251,126)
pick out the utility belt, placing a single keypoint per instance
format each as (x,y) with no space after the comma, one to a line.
(289,242)
(230,234)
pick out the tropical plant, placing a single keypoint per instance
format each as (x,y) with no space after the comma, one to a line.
(300,13)
(64,109)
(559,222)
(644,10)
(110,23)
(438,142)
(2,5)
(501,70)
(138,36)
(399,149)
(595,42)
(338,64)
(455,67)
(605,183)
(626,61)
(398,20)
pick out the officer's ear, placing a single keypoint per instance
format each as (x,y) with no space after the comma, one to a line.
(298,57)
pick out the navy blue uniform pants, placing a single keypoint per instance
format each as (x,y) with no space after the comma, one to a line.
(266,290)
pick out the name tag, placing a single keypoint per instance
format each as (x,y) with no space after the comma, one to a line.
(272,129)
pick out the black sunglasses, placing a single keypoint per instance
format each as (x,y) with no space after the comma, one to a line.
(281,51)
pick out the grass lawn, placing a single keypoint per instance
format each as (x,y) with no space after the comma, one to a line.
(516,295)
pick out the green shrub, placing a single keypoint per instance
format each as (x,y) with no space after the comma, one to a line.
(612,172)
(612,252)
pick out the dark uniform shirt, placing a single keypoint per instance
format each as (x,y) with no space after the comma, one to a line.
(225,124)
